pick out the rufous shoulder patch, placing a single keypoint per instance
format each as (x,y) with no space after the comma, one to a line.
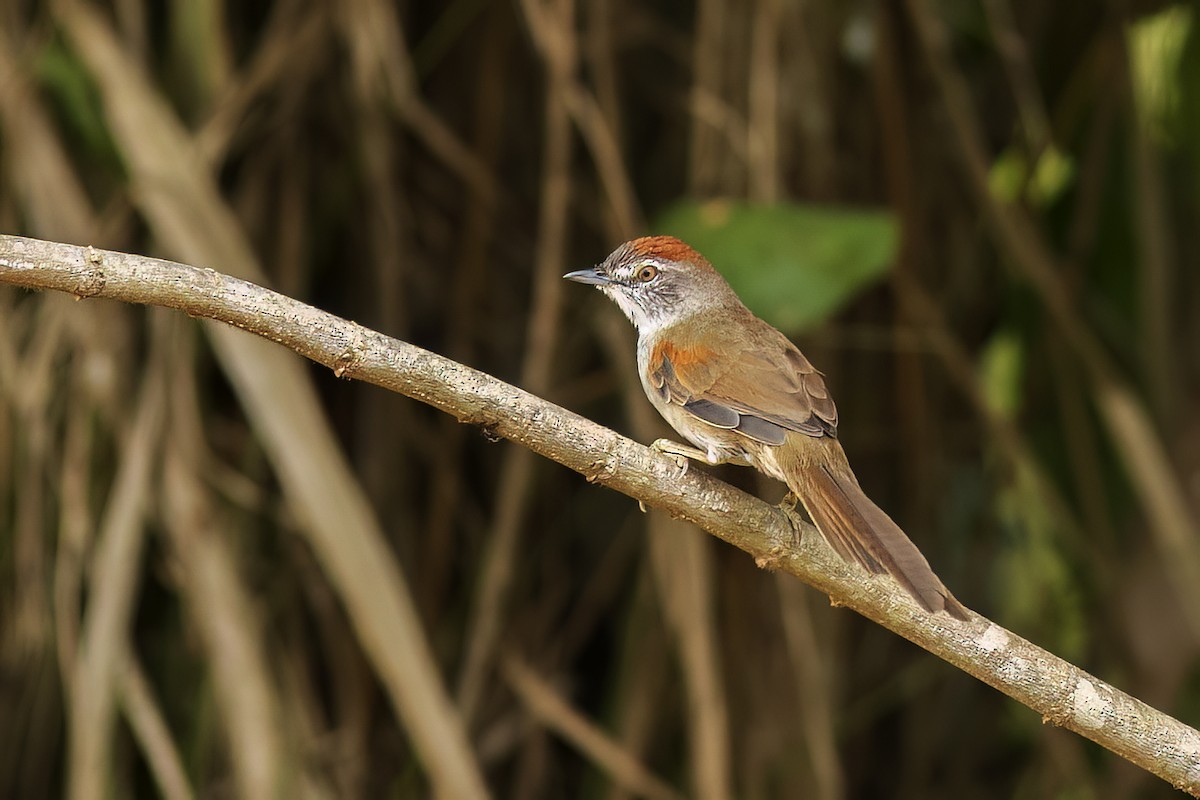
(681,358)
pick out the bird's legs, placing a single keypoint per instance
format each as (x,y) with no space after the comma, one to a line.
(684,453)
(789,501)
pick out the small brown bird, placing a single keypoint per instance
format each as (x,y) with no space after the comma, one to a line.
(739,391)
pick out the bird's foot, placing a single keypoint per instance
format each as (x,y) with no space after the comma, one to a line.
(788,506)
(681,453)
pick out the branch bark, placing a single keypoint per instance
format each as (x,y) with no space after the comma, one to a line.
(1063,694)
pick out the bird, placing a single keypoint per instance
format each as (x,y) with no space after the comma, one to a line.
(741,392)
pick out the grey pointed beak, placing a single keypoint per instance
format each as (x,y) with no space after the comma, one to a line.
(592,276)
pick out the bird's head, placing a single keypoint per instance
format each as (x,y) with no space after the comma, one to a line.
(658,281)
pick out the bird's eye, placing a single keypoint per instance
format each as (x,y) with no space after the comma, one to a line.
(647,273)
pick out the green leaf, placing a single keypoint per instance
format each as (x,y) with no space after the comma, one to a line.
(1156,49)
(76,100)
(793,265)
(1001,372)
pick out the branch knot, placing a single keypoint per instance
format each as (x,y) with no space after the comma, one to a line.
(93,279)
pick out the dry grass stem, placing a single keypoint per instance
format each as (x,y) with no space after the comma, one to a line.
(1125,415)
(551,710)
(541,339)
(114,580)
(150,729)
(282,404)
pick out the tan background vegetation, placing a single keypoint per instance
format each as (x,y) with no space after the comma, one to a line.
(205,548)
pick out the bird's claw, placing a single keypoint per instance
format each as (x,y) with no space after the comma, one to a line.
(669,448)
(788,506)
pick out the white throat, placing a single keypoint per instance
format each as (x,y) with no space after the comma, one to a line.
(647,324)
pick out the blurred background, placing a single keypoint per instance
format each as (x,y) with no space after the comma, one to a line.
(974,217)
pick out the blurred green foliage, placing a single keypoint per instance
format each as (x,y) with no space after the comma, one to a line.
(76,101)
(1156,48)
(795,265)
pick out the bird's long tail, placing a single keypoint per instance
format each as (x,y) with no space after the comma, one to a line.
(860,531)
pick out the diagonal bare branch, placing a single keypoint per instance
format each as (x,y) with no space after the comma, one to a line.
(1063,694)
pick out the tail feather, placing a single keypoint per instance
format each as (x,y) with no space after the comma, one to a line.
(860,531)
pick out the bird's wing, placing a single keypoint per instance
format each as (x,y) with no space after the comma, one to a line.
(764,390)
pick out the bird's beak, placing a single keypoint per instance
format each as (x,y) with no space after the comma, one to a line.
(591,276)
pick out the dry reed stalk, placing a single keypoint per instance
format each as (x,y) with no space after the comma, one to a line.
(1126,417)
(552,711)
(177,194)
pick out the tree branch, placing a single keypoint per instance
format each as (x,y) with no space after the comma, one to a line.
(1063,694)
